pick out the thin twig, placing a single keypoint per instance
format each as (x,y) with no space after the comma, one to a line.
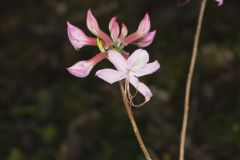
(134,125)
(189,80)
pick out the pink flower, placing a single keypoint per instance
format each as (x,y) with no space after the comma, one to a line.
(220,2)
(135,66)
(117,41)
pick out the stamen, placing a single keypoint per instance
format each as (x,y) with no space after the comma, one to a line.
(137,105)
(128,96)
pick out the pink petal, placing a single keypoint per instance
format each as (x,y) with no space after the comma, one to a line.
(142,30)
(141,87)
(93,26)
(138,59)
(110,75)
(77,37)
(220,2)
(117,60)
(144,25)
(114,29)
(83,68)
(148,69)
(146,40)
(124,32)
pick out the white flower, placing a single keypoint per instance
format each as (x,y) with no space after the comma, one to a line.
(135,66)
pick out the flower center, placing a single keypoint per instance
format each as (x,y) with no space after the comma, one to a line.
(118,46)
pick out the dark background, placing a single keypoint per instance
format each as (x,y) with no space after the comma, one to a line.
(48,114)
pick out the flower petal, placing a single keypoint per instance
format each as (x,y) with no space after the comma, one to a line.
(77,37)
(142,30)
(117,60)
(146,40)
(138,59)
(110,75)
(148,69)
(141,87)
(93,26)
(124,31)
(220,2)
(144,25)
(83,68)
(114,29)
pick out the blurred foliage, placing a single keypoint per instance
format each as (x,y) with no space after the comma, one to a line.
(47,114)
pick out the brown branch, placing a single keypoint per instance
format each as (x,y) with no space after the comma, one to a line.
(134,125)
(189,80)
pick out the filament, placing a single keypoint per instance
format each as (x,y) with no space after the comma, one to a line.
(129,97)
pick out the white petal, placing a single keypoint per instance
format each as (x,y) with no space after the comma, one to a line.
(117,60)
(138,59)
(148,69)
(110,75)
(141,87)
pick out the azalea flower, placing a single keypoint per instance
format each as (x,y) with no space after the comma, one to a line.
(117,41)
(220,2)
(130,69)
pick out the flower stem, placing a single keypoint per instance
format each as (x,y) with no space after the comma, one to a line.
(189,80)
(134,125)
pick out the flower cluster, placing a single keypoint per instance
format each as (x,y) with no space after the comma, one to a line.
(129,67)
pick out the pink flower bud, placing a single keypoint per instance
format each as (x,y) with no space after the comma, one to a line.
(77,37)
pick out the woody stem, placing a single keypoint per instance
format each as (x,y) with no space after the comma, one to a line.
(189,81)
(134,125)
